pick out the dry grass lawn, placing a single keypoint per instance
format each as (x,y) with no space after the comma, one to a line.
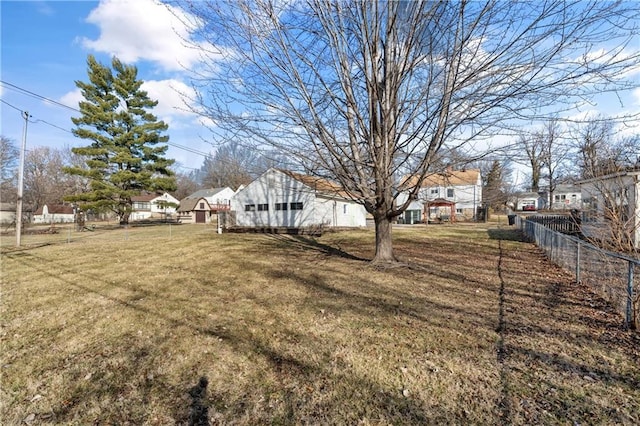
(198,328)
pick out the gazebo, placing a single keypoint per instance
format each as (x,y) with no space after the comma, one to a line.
(439,203)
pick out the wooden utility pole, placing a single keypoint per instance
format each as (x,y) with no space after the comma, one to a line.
(25,115)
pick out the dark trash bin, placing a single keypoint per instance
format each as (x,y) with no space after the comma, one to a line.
(512,219)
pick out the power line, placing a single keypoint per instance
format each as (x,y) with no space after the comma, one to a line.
(7,103)
(37,96)
(51,124)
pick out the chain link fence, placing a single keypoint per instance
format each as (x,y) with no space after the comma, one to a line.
(609,274)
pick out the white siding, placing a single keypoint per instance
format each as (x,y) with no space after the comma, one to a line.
(276,188)
(593,194)
(340,213)
(47,217)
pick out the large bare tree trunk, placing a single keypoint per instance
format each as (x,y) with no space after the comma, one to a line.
(384,241)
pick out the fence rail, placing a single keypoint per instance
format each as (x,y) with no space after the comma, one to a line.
(610,274)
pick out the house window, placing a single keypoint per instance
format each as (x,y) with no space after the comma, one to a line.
(449,192)
(263,207)
(435,191)
(295,206)
(201,206)
(459,211)
(344,209)
(249,207)
(141,205)
(281,206)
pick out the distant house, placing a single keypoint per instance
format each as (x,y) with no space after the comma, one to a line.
(529,201)
(219,199)
(149,206)
(566,197)
(281,198)
(611,207)
(55,213)
(449,195)
(195,210)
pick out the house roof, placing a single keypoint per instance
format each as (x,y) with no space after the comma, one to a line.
(321,185)
(440,202)
(448,178)
(55,209)
(528,195)
(189,204)
(635,171)
(564,188)
(210,192)
(144,197)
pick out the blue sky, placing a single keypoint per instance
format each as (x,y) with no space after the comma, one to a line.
(44,51)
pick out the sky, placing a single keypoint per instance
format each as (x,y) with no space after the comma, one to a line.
(44,51)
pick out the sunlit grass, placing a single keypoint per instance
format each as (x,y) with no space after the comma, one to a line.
(148,326)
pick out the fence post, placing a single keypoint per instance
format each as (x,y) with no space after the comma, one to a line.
(578,262)
(629,321)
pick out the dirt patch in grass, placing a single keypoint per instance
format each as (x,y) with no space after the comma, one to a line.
(198,328)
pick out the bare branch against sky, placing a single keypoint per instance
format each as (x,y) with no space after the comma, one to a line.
(368,92)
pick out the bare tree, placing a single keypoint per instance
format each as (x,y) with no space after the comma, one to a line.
(368,92)
(555,154)
(44,180)
(232,165)
(529,151)
(9,154)
(186,183)
(599,151)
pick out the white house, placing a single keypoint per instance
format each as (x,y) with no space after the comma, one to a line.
(149,206)
(219,199)
(611,207)
(455,193)
(566,197)
(280,198)
(56,213)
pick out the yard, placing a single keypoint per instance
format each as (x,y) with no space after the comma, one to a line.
(181,325)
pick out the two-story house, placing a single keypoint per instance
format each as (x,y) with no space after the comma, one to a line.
(451,195)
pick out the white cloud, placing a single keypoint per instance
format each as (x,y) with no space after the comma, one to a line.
(143,29)
(636,96)
(171,96)
(72,98)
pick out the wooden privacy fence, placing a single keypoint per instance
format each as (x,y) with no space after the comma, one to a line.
(609,274)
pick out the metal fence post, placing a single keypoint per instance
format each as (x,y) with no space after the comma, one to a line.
(578,262)
(630,323)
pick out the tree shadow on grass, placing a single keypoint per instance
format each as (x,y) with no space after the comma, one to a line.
(307,243)
(510,234)
(199,408)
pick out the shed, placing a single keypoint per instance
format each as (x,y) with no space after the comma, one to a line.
(194,210)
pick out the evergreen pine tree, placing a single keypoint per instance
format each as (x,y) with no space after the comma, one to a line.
(493,191)
(126,153)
